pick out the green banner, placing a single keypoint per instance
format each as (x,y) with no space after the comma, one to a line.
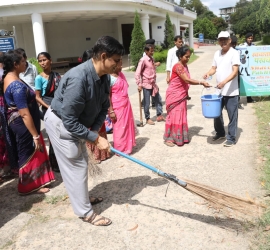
(254,70)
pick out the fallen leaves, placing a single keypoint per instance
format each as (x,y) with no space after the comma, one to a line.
(133,228)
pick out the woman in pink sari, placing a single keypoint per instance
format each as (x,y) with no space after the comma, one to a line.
(121,113)
(176,127)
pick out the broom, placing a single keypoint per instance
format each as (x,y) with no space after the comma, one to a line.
(93,169)
(216,197)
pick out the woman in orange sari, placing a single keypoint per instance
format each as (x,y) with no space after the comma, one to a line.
(176,127)
(23,119)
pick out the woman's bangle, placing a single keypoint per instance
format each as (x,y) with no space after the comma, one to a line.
(199,82)
(36,137)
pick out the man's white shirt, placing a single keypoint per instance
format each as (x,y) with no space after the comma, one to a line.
(224,64)
(172,59)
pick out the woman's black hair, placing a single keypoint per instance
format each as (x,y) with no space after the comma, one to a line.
(46,54)
(8,60)
(182,51)
(108,45)
(87,55)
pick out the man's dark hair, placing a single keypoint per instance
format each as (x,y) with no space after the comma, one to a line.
(249,34)
(22,51)
(87,55)
(108,45)
(1,57)
(182,51)
(147,47)
(234,39)
(177,37)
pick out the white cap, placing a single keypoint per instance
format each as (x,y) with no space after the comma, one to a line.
(224,34)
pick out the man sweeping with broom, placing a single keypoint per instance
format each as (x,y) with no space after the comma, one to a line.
(81,102)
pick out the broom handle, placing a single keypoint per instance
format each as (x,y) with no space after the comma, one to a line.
(157,171)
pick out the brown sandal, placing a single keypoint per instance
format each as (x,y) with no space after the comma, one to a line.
(97,221)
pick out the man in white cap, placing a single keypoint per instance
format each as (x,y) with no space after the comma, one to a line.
(226,64)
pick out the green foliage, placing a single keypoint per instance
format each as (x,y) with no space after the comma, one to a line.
(34,61)
(158,48)
(168,33)
(263,16)
(191,50)
(208,14)
(206,27)
(266,40)
(195,5)
(219,23)
(160,56)
(137,41)
(244,19)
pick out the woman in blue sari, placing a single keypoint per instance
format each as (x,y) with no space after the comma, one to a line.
(23,120)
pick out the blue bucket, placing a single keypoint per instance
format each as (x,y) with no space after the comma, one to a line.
(211,106)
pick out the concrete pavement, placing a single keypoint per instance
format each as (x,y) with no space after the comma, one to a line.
(146,211)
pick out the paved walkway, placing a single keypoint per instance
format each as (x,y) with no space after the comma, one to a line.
(145,214)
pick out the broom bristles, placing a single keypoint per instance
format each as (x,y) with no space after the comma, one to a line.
(222,199)
(93,169)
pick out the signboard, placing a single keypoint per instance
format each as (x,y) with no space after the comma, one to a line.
(6,43)
(178,9)
(201,38)
(254,70)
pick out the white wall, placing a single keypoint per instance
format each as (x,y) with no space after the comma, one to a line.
(68,39)
(158,34)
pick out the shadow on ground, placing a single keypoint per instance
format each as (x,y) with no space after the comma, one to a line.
(121,192)
(140,143)
(221,141)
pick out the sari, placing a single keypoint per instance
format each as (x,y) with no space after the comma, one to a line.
(99,155)
(123,126)
(176,127)
(35,171)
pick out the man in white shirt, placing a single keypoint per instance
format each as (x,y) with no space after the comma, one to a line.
(30,73)
(172,59)
(226,64)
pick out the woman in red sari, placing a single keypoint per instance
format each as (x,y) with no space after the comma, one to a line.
(176,127)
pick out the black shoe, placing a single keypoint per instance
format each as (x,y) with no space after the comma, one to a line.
(240,106)
(228,143)
(250,100)
(218,137)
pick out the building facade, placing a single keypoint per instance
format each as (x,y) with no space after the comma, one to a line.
(65,28)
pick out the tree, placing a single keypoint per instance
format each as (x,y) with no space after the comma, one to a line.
(206,27)
(168,33)
(263,16)
(183,3)
(219,23)
(244,19)
(137,41)
(197,6)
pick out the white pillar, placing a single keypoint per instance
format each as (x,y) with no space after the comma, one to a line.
(145,25)
(38,31)
(190,27)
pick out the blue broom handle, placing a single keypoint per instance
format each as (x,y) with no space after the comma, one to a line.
(157,171)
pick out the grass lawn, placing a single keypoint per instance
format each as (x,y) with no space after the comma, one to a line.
(162,67)
(262,110)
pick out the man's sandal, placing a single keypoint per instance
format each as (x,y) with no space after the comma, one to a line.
(101,221)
